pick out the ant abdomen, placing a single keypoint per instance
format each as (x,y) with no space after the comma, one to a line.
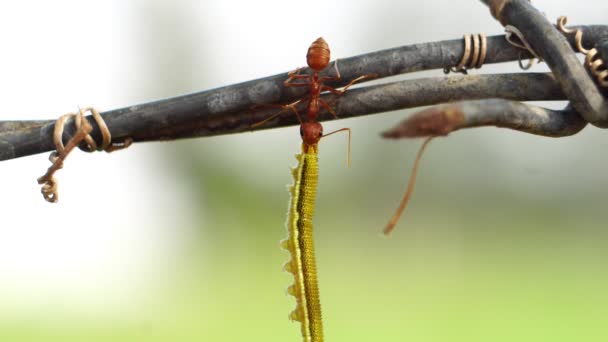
(318,55)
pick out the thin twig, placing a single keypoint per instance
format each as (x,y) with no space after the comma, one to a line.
(409,191)
(444,119)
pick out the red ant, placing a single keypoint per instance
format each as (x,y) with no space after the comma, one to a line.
(317,58)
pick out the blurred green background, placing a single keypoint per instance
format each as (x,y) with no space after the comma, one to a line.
(504,239)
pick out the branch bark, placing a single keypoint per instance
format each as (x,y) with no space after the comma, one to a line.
(160,122)
(229,109)
(552,47)
(442,120)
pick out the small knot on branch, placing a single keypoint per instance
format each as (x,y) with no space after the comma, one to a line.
(83,130)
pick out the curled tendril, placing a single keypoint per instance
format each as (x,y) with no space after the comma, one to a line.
(473,56)
(593,61)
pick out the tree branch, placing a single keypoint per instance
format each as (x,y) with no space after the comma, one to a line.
(551,46)
(442,120)
(229,109)
(160,124)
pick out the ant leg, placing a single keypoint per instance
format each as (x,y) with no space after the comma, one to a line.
(291,106)
(349,136)
(345,88)
(287,84)
(328,108)
(410,189)
(294,75)
(341,91)
(332,78)
(338,76)
(358,79)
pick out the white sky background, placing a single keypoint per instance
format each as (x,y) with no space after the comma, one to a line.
(79,258)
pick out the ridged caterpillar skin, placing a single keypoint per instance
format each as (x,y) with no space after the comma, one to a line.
(300,245)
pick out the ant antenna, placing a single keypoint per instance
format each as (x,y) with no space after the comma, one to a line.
(349,133)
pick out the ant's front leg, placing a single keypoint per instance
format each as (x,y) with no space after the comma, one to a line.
(338,76)
(343,90)
(332,78)
(294,75)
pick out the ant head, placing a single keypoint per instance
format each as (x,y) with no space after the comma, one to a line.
(311,133)
(318,55)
